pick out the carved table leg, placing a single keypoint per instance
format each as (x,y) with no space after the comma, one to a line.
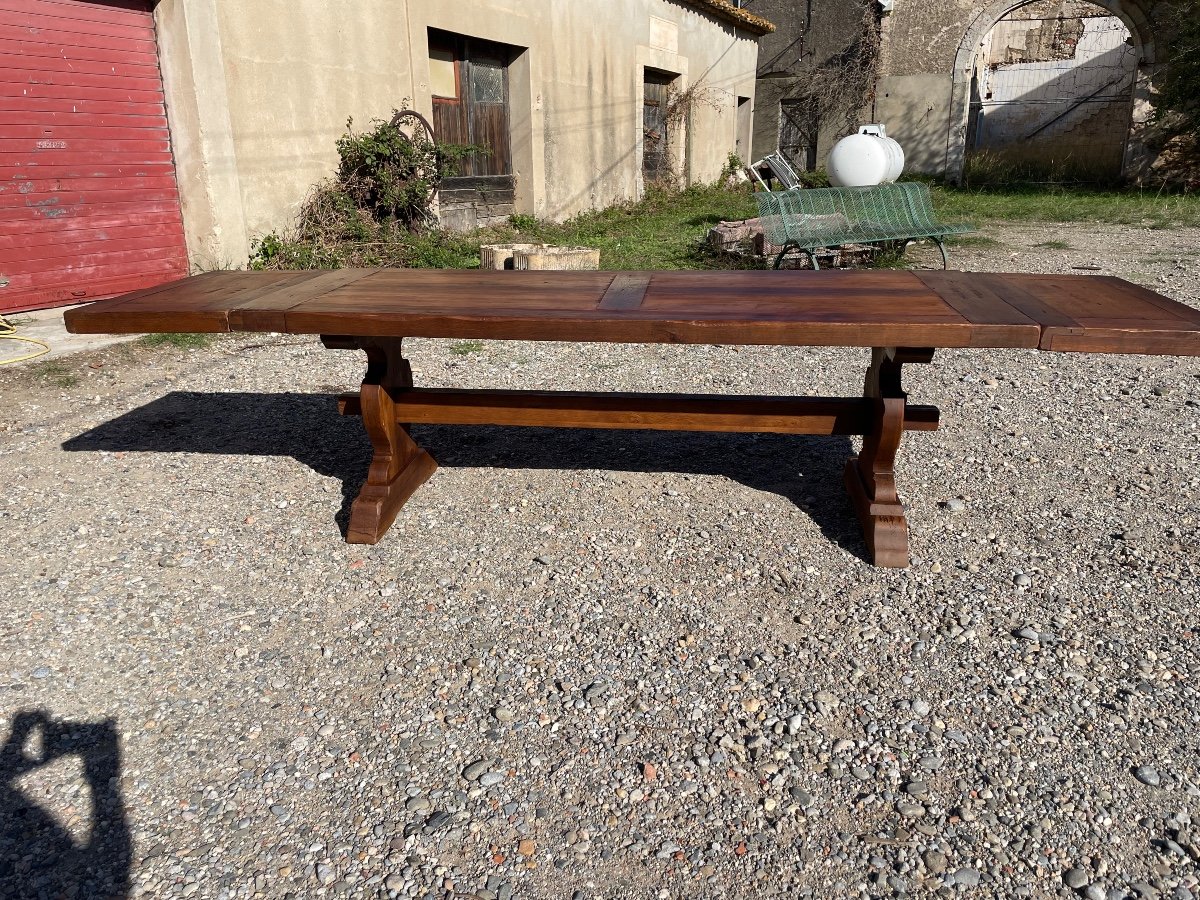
(398,466)
(870,477)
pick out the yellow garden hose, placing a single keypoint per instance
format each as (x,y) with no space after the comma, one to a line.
(8,332)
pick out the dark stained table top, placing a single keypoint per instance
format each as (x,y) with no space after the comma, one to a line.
(840,308)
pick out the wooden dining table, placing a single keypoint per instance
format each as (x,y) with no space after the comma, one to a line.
(904,316)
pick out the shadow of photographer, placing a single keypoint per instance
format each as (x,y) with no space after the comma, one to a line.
(39,858)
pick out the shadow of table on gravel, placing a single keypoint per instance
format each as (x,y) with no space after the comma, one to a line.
(39,858)
(804,469)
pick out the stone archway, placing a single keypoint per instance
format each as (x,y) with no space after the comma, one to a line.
(1130,12)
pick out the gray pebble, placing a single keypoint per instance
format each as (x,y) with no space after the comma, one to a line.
(1075,878)
(801,796)
(475,770)
(967,877)
(1147,775)
(935,861)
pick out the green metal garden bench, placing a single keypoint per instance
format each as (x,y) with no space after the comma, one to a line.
(830,217)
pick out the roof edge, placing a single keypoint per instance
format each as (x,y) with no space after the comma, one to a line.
(725,10)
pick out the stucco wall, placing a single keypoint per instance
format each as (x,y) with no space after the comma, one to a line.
(916,110)
(259,90)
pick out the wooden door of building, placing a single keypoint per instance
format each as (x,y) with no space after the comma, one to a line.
(470,100)
(469,82)
(798,132)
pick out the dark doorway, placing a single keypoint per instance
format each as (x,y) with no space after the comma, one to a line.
(656,164)
(469,83)
(745,124)
(798,133)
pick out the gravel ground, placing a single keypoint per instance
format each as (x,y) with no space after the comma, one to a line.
(605,664)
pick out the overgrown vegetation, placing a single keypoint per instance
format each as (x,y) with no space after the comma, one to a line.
(182,341)
(832,94)
(990,168)
(1176,126)
(375,212)
(669,144)
(664,230)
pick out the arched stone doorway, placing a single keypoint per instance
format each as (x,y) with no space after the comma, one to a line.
(965,116)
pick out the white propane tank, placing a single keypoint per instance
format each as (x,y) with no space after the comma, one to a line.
(867,158)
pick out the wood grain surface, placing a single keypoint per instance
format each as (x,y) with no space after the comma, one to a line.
(840,308)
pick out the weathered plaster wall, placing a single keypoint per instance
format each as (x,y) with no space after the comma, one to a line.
(916,110)
(201,132)
(928,50)
(259,91)
(919,42)
(809,35)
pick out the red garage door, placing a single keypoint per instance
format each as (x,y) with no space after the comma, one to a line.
(89,206)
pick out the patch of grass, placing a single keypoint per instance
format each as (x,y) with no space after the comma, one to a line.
(522,222)
(889,258)
(972,240)
(1059,203)
(658,232)
(182,341)
(1016,167)
(665,229)
(465,348)
(1053,245)
(56,372)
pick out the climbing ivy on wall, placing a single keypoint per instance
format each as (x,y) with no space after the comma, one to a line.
(1179,86)
(1175,134)
(837,89)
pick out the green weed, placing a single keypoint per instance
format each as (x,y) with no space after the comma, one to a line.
(182,341)
(57,373)
(972,240)
(522,222)
(465,348)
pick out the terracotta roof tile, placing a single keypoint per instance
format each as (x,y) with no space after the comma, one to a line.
(723,9)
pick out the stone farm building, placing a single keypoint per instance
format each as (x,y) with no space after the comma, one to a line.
(139,138)
(1061,81)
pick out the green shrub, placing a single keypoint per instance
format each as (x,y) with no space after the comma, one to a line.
(522,222)
(392,173)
